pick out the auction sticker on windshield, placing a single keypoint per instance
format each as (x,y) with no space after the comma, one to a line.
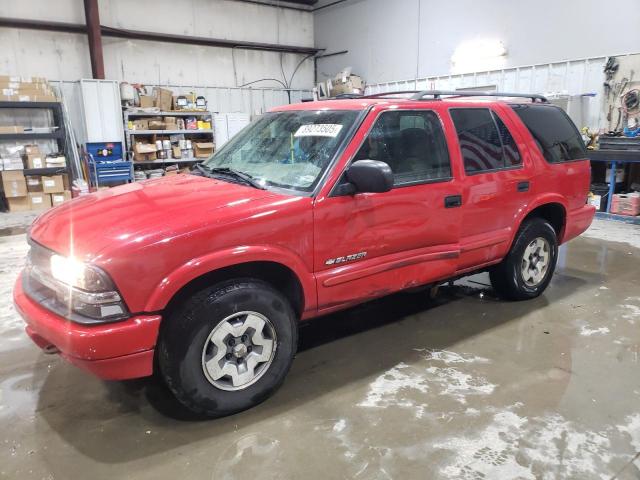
(319,130)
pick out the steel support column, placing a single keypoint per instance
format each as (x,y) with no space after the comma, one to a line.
(94,33)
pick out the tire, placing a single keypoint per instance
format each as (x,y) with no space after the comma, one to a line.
(228,308)
(508,278)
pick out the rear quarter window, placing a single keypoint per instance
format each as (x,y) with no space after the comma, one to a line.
(553,131)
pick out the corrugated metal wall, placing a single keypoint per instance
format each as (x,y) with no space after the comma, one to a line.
(575,77)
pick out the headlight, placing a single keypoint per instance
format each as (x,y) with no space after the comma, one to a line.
(79,291)
(77,274)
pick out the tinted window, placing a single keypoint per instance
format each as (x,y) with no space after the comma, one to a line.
(479,139)
(554,132)
(412,143)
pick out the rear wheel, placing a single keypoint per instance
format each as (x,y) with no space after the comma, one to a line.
(229,347)
(527,269)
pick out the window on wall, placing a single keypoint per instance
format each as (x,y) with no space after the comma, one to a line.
(485,141)
(412,143)
(553,131)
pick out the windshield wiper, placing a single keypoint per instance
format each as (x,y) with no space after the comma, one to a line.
(203,170)
(245,177)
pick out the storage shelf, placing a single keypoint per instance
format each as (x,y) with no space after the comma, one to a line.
(32,136)
(29,104)
(167,132)
(180,113)
(626,156)
(164,161)
(45,171)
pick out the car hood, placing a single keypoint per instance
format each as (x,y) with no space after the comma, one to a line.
(142,212)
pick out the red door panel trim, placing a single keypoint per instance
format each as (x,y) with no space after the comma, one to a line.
(389,265)
(486,240)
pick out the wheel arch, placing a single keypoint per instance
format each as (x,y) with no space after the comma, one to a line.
(551,209)
(283,271)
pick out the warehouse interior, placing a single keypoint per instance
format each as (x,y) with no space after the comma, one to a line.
(119,124)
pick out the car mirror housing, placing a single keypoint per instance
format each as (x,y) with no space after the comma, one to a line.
(370,176)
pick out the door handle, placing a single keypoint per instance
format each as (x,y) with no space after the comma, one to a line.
(523,186)
(452,201)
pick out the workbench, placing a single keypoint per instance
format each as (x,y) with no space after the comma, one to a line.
(615,157)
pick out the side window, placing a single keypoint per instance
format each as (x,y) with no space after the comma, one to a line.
(511,154)
(485,141)
(553,131)
(412,143)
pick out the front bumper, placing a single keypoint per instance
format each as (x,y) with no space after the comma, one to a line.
(112,351)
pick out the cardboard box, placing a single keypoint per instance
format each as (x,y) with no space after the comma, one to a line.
(12,163)
(156,124)
(13,129)
(141,124)
(202,149)
(146,101)
(52,184)
(39,201)
(163,98)
(55,161)
(17,78)
(33,161)
(28,98)
(23,88)
(144,152)
(346,84)
(18,204)
(176,152)
(13,184)
(32,150)
(34,183)
(60,198)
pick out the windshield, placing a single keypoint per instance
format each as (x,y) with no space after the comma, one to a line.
(286,149)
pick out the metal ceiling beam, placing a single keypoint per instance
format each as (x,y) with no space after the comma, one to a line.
(154,36)
(277,4)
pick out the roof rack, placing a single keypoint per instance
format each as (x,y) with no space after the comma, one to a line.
(388,94)
(436,94)
(345,96)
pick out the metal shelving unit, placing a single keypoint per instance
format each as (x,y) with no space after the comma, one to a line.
(32,136)
(56,109)
(177,113)
(615,158)
(166,132)
(59,135)
(130,134)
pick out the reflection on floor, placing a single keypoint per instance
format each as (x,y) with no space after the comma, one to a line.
(464,386)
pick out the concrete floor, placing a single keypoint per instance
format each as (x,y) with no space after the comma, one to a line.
(461,387)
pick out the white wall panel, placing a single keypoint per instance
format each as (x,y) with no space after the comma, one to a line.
(63,56)
(388,40)
(577,77)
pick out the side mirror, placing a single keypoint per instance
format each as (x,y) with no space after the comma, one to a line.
(370,176)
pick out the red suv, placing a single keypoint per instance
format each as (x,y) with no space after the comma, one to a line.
(313,208)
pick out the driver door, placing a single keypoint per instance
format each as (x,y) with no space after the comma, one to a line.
(371,244)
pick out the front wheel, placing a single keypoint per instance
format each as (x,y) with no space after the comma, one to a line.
(527,269)
(229,347)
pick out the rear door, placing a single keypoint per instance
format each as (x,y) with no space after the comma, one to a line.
(565,168)
(496,182)
(370,244)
